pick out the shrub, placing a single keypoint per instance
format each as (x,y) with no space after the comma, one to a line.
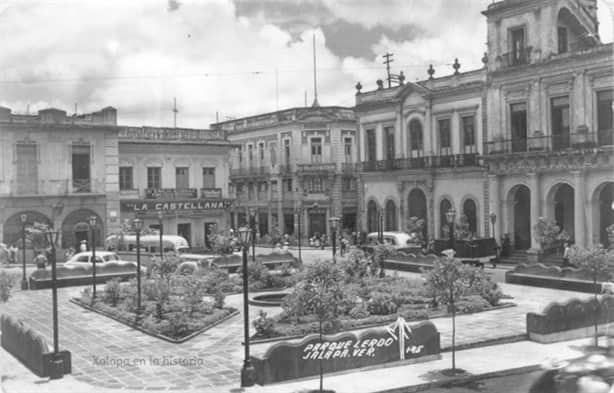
(112,291)
(177,325)
(473,303)
(266,239)
(381,304)
(6,284)
(356,266)
(359,311)
(264,325)
(194,290)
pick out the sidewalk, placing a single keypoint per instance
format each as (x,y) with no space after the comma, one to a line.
(488,361)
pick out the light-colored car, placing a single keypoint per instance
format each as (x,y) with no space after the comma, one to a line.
(102,258)
(394,239)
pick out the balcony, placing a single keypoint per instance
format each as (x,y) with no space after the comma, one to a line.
(516,58)
(551,143)
(129,194)
(81,186)
(430,162)
(317,167)
(249,172)
(285,169)
(210,193)
(171,193)
(349,167)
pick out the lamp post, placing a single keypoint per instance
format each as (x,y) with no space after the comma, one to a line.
(298,213)
(450,216)
(493,219)
(24,280)
(252,225)
(56,370)
(248,373)
(93,240)
(138,225)
(160,224)
(334,221)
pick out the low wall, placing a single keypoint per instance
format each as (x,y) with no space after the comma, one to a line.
(410,263)
(29,347)
(571,320)
(233,262)
(555,277)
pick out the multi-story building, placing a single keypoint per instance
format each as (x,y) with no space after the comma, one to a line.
(290,160)
(177,176)
(529,135)
(59,170)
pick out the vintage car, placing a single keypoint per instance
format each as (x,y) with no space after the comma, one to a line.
(102,257)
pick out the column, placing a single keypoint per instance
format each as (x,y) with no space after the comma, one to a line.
(494,203)
(535,205)
(579,215)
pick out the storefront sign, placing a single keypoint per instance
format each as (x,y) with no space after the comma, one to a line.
(145,206)
(211,193)
(344,351)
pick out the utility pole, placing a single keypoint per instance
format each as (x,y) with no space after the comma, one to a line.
(388,57)
(315,75)
(175,111)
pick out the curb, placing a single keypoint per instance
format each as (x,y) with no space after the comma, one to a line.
(463,379)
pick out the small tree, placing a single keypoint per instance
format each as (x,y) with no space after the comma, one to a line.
(449,280)
(545,232)
(599,262)
(6,284)
(381,252)
(35,234)
(323,296)
(415,227)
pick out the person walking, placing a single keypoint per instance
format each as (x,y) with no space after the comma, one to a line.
(566,254)
(40,260)
(83,246)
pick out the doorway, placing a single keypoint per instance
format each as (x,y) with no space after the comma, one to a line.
(185,231)
(317,224)
(210,228)
(522,217)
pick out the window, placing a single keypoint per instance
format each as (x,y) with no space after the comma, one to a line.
(562,38)
(125,178)
(287,183)
(81,168)
(154,178)
(389,137)
(240,156)
(416,141)
(347,149)
(261,151)
(560,122)
(27,168)
(239,188)
(517,49)
(287,152)
(444,134)
(370,148)
(604,117)
(348,184)
(182,178)
(250,190)
(518,125)
(273,153)
(208,177)
(274,187)
(316,150)
(470,213)
(468,130)
(250,155)
(314,184)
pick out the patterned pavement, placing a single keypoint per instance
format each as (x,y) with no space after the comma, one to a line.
(109,354)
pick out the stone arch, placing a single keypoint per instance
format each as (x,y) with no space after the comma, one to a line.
(417,206)
(519,216)
(560,206)
(602,210)
(12,226)
(445,203)
(471,212)
(76,228)
(390,215)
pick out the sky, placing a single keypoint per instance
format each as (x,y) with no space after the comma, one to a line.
(223,59)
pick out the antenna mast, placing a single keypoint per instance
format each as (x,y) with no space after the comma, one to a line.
(315,75)
(175,111)
(388,57)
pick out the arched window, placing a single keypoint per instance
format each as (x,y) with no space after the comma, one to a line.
(371,217)
(391,216)
(444,206)
(415,135)
(470,211)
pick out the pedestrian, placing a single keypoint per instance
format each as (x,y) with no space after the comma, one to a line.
(40,260)
(13,253)
(83,246)
(566,254)
(344,244)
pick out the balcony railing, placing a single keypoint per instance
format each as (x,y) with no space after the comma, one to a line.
(210,193)
(443,161)
(551,143)
(317,167)
(285,169)
(516,58)
(81,186)
(253,171)
(171,193)
(348,167)
(129,194)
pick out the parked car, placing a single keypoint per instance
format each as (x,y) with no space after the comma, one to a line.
(196,260)
(102,258)
(394,239)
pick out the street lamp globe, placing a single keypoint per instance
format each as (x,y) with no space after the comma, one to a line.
(334,222)
(93,221)
(245,236)
(450,216)
(160,215)
(138,224)
(493,218)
